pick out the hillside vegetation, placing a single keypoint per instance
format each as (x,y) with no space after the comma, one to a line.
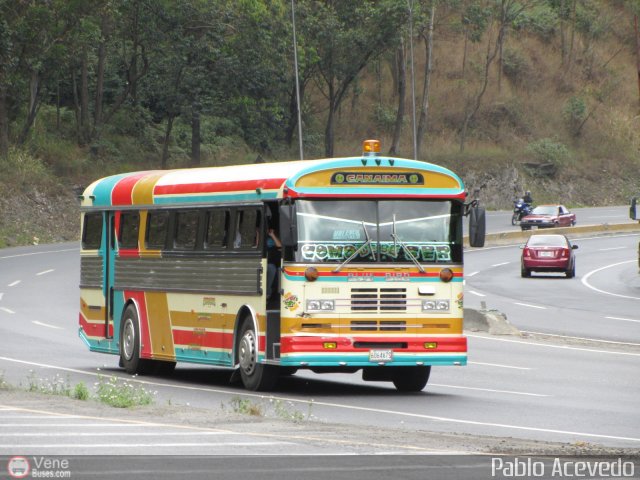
(537,94)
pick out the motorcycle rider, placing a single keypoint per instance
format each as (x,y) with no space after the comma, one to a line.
(527,198)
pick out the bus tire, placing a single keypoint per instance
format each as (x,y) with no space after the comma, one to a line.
(255,376)
(411,379)
(130,344)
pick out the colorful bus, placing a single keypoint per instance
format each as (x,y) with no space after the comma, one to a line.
(335,265)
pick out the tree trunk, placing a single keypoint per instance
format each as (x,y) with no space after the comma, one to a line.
(401,70)
(195,134)
(34,104)
(84,99)
(329,133)
(165,143)
(76,106)
(464,52)
(424,111)
(4,122)
(491,55)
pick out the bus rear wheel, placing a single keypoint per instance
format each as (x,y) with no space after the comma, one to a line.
(411,379)
(255,376)
(130,344)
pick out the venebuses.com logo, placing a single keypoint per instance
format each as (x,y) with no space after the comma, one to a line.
(18,467)
(38,467)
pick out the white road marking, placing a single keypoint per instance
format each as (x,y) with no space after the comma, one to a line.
(13,284)
(470,274)
(582,338)
(45,272)
(112,434)
(40,253)
(499,365)
(47,325)
(1,295)
(562,347)
(490,390)
(360,408)
(623,319)
(24,446)
(500,264)
(585,280)
(477,293)
(612,248)
(530,306)
(7,310)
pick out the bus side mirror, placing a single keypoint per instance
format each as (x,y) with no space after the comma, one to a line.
(477,226)
(288,225)
(633,210)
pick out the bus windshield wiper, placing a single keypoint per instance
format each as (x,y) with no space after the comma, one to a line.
(407,252)
(355,254)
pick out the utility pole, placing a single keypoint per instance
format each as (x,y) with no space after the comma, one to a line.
(635,22)
(295,61)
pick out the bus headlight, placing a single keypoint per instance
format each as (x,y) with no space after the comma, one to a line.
(435,305)
(320,305)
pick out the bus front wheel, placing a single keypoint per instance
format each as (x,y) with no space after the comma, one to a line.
(411,379)
(255,375)
(130,344)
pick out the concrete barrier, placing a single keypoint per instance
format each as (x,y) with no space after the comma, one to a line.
(514,237)
(490,321)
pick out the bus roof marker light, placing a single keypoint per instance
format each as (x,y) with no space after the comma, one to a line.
(370,148)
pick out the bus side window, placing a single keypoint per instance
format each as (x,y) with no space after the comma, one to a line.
(186,230)
(157,227)
(217,228)
(248,228)
(92,231)
(129,227)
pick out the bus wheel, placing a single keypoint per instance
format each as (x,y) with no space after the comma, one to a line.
(411,379)
(255,375)
(130,344)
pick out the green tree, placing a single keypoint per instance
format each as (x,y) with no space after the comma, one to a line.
(347,37)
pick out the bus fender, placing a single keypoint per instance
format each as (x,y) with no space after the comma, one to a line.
(246,311)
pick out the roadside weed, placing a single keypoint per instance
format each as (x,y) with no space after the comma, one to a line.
(122,394)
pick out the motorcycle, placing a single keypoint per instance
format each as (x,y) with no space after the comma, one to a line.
(520,209)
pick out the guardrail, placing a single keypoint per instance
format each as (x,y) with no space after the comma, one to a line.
(505,238)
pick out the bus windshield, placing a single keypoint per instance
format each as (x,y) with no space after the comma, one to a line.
(389,231)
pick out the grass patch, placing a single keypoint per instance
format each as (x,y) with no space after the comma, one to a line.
(122,394)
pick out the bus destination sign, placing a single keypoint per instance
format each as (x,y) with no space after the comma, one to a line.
(376,178)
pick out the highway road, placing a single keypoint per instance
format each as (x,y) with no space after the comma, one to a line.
(573,391)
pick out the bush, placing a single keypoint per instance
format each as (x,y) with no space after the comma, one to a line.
(574,113)
(546,150)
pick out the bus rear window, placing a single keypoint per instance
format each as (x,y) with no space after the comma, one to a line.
(217,228)
(92,231)
(186,230)
(157,226)
(129,227)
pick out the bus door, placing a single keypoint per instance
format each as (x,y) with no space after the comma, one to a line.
(107,284)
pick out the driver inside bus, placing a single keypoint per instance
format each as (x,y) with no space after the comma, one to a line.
(274,255)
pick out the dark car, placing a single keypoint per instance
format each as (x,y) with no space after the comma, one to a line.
(548,216)
(548,253)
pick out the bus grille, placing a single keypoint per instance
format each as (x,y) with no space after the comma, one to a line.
(378,299)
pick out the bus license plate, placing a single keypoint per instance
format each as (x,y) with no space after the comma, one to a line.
(380,355)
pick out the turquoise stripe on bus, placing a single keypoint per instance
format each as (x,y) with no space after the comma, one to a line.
(103,189)
(234,197)
(384,162)
(362,360)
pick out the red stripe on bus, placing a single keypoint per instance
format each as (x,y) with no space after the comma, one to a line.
(218,187)
(94,329)
(414,344)
(145,335)
(122,191)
